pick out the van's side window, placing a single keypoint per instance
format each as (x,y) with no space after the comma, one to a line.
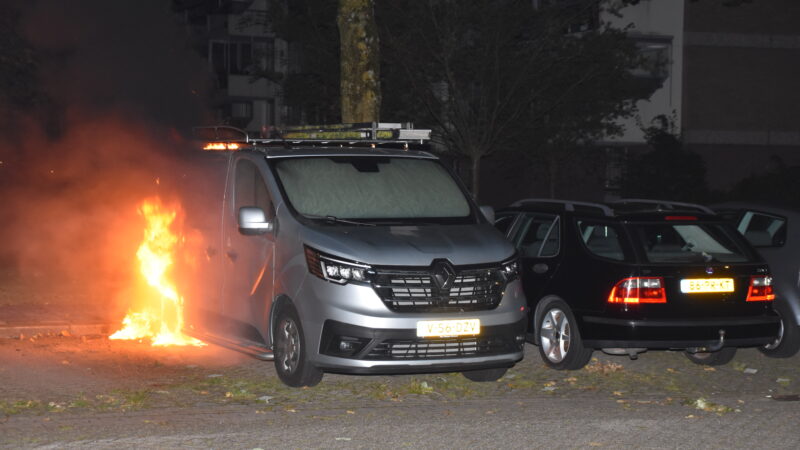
(540,237)
(763,230)
(250,189)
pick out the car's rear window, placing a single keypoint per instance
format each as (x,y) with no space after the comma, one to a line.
(688,243)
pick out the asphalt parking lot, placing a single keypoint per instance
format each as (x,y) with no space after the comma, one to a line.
(64,384)
(87,391)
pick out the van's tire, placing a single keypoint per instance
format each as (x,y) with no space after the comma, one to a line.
(560,344)
(290,351)
(718,358)
(485,374)
(788,342)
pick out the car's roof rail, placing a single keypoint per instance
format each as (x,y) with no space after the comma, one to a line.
(661,205)
(569,205)
(370,134)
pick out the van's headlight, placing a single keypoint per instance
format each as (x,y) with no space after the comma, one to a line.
(510,269)
(336,270)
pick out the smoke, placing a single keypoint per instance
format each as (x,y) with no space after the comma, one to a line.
(122,85)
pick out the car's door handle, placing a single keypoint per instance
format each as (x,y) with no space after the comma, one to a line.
(540,268)
(232,256)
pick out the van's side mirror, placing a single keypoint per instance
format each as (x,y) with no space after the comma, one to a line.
(252,221)
(488,212)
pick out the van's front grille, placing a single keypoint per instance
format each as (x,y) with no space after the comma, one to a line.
(425,348)
(418,290)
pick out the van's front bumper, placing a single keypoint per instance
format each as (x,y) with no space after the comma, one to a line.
(385,341)
(749,331)
(355,349)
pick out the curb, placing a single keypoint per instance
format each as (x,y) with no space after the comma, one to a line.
(13,331)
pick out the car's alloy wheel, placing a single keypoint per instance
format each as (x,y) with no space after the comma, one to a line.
(787,343)
(291,355)
(555,335)
(560,343)
(778,340)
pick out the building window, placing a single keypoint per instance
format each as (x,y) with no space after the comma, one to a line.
(242,57)
(242,110)
(655,58)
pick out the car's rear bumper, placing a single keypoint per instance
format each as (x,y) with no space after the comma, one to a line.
(603,332)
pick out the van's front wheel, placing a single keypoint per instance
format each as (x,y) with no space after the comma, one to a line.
(291,354)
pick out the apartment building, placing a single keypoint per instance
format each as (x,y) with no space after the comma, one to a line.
(245,55)
(730,81)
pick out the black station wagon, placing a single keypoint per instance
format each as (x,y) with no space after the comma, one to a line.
(637,275)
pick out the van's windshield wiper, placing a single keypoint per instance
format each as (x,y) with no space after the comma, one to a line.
(338,220)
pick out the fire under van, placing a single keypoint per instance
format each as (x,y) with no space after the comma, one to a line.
(350,249)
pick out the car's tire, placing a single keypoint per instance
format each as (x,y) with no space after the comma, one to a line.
(560,344)
(788,342)
(485,374)
(291,354)
(718,358)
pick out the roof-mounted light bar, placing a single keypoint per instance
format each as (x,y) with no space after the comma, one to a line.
(357,134)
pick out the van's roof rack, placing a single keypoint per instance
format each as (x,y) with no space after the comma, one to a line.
(370,134)
(569,205)
(661,205)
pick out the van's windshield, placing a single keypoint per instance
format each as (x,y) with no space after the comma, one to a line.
(372,189)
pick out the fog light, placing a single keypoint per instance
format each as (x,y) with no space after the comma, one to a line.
(346,346)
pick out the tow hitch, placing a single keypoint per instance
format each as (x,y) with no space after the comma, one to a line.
(715,347)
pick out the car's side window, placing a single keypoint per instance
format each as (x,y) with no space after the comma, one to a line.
(503,222)
(763,230)
(540,236)
(250,189)
(601,239)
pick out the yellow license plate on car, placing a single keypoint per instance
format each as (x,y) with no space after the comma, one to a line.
(704,285)
(446,328)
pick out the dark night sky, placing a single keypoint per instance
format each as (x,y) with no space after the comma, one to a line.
(129,55)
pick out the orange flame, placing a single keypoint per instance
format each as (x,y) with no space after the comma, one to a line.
(160,317)
(222,146)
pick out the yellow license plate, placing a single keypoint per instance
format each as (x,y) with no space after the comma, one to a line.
(445,328)
(703,285)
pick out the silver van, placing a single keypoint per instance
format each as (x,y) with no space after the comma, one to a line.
(338,253)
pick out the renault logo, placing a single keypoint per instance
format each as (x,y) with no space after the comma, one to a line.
(444,275)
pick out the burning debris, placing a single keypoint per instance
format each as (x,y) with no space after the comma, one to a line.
(159,316)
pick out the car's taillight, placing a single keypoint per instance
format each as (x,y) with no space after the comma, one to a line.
(639,290)
(760,290)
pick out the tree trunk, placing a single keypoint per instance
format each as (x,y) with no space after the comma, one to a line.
(476,175)
(360,61)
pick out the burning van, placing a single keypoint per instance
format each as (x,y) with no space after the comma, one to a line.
(342,250)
